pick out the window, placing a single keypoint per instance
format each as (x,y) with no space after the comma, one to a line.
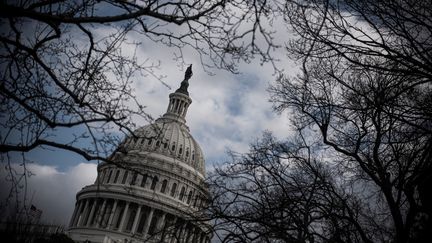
(119,214)
(189,197)
(149,142)
(116,176)
(173,147)
(153,223)
(182,193)
(141,221)
(180,150)
(154,182)
(164,185)
(92,221)
(176,105)
(173,189)
(144,180)
(166,144)
(125,177)
(158,143)
(87,215)
(172,105)
(131,217)
(169,222)
(134,177)
(107,213)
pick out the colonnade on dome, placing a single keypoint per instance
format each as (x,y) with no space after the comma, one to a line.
(139,221)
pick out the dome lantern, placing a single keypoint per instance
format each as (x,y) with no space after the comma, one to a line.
(180,100)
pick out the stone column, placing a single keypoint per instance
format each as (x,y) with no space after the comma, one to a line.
(196,236)
(203,237)
(89,219)
(84,212)
(200,236)
(172,231)
(161,222)
(101,214)
(121,174)
(77,206)
(136,220)
(186,234)
(192,236)
(113,210)
(147,222)
(176,233)
(76,213)
(123,219)
(182,233)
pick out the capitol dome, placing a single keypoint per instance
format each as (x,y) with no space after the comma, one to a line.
(152,188)
(170,138)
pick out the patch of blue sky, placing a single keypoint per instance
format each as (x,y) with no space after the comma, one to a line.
(60,158)
(245,83)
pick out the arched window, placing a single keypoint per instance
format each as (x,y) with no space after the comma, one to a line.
(173,189)
(157,143)
(166,144)
(116,176)
(134,177)
(173,147)
(144,180)
(182,193)
(149,142)
(154,182)
(189,197)
(180,150)
(164,185)
(125,177)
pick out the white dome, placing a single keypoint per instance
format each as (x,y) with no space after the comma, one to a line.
(170,138)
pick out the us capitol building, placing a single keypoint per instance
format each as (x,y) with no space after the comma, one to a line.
(154,191)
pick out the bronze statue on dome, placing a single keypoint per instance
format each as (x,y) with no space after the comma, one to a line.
(185,83)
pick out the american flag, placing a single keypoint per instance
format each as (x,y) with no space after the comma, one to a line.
(35,214)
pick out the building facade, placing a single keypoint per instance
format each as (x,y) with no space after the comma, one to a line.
(154,190)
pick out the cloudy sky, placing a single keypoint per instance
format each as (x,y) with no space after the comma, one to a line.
(229,111)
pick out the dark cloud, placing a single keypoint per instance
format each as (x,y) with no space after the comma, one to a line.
(51,190)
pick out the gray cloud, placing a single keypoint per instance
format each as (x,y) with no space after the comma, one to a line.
(51,190)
